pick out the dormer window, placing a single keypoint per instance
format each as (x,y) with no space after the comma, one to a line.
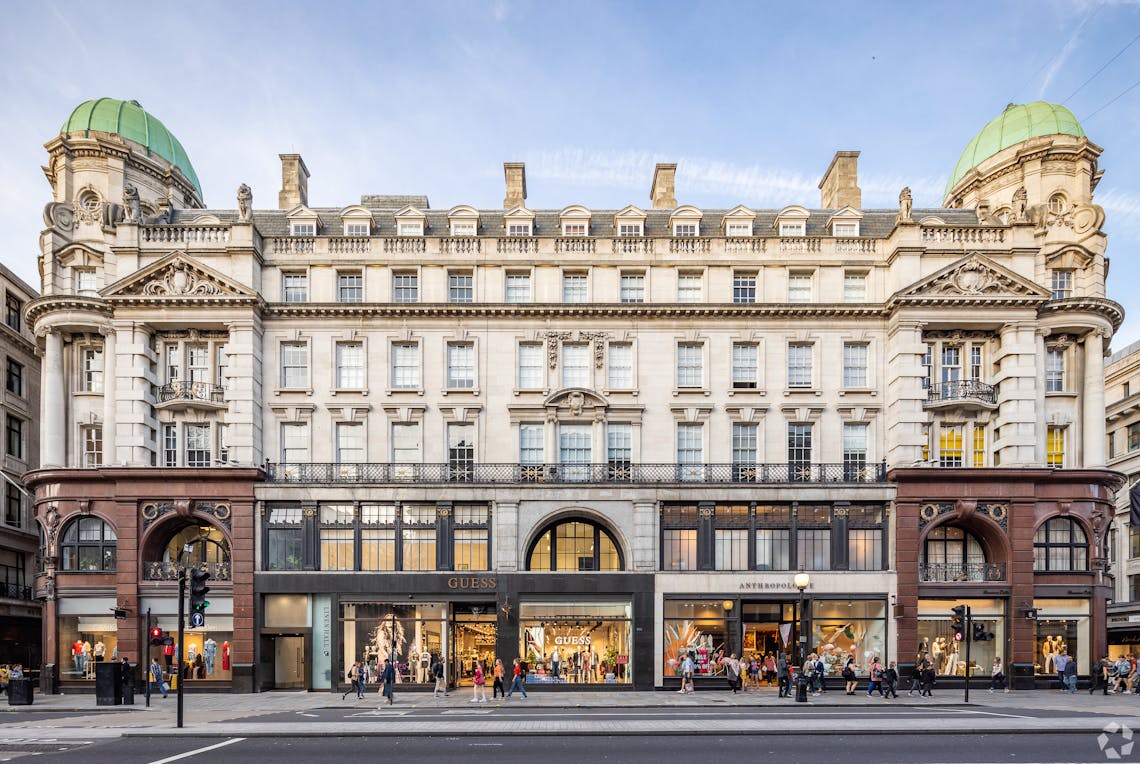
(410,222)
(792,221)
(463,228)
(738,222)
(463,221)
(356,229)
(575,220)
(845,230)
(631,229)
(575,229)
(794,228)
(737,229)
(685,221)
(518,221)
(519,229)
(685,229)
(411,229)
(302,229)
(356,221)
(85,282)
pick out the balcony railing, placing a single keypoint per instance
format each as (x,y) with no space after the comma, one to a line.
(164,570)
(962,390)
(547,474)
(15,591)
(191,391)
(955,572)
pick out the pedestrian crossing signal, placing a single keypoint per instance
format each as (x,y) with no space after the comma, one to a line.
(156,636)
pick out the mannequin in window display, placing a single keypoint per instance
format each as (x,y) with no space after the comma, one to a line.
(77,657)
(424,666)
(594,664)
(88,665)
(210,652)
(226,656)
(100,651)
(936,650)
(1047,655)
(192,652)
(951,667)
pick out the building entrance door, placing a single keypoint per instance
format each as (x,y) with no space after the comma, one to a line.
(289,662)
(768,629)
(473,634)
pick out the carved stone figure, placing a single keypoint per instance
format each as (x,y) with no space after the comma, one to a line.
(59,216)
(904,205)
(179,279)
(1020,205)
(244,202)
(132,208)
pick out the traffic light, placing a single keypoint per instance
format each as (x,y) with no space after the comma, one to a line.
(156,636)
(198,590)
(958,622)
(980,633)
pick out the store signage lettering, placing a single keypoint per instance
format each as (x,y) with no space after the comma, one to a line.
(585,641)
(471,582)
(767,586)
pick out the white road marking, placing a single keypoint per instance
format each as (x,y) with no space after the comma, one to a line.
(311,716)
(472,712)
(990,713)
(197,751)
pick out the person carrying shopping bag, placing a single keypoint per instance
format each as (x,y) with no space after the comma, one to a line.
(480,684)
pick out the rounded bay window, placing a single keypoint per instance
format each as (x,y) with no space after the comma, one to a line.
(575,544)
(1060,544)
(87,545)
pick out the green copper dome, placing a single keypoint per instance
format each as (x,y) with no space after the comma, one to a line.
(1019,122)
(127,119)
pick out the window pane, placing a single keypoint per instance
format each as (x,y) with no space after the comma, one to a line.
(679,550)
(731,549)
(690,364)
(773,552)
(575,365)
(620,365)
(813,548)
(419,549)
(405,365)
(461,365)
(530,366)
(350,365)
(744,366)
(864,549)
(471,550)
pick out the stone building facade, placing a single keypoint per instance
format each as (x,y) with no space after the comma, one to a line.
(19,410)
(594,439)
(1122,423)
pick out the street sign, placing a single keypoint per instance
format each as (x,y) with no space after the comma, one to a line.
(197,620)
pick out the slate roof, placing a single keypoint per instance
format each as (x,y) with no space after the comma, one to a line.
(875,223)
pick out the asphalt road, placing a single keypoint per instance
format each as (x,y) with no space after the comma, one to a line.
(904,748)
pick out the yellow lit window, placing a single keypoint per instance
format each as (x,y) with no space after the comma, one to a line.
(1055,447)
(950,446)
(926,443)
(979,446)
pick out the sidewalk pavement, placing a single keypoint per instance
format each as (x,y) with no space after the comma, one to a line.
(213,714)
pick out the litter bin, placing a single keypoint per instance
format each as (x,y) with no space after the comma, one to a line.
(801,688)
(20,692)
(108,684)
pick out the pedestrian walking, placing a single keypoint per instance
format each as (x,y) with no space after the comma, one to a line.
(156,683)
(1098,675)
(688,669)
(480,684)
(890,681)
(732,672)
(388,681)
(849,675)
(499,672)
(876,683)
(818,677)
(1060,661)
(769,669)
(516,680)
(352,677)
(1123,668)
(927,680)
(997,677)
(1071,675)
(915,678)
(437,673)
(809,671)
(783,677)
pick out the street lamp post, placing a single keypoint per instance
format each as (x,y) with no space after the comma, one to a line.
(802,581)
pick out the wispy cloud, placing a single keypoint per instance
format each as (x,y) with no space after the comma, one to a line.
(1066,51)
(752,184)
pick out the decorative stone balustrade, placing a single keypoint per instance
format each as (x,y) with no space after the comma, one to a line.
(575,245)
(945,235)
(185,234)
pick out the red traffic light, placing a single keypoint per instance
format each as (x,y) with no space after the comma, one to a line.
(156,636)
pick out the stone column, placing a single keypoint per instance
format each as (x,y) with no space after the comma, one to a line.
(53,437)
(645,536)
(110,396)
(506,537)
(1092,413)
(1042,425)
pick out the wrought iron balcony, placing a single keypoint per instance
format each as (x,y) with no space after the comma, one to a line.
(957,572)
(15,591)
(187,390)
(165,570)
(614,472)
(961,391)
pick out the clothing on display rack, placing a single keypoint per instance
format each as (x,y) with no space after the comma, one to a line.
(209,652)
(225,656)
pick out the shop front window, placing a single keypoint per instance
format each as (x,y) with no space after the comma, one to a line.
(84,642)
(412,635)
(698,629)
(947,655)
(1062,625)
(590,641)
(843,629)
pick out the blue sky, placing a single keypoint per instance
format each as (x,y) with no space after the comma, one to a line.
(751,99)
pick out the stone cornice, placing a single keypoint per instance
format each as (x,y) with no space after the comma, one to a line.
(1102,306)
(44,306)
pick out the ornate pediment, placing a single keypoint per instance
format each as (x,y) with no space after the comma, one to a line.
(576,401)
(177,275)
(975,276)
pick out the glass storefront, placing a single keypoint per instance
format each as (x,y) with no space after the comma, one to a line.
(412,635)
(85,641)
(208,650)
(1062,624)
(769,629)
(843,629)
(473,634)
(936,641)
(696,627)
(589,641)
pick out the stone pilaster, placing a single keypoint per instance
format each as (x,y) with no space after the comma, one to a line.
(506,537)
(1092,397)
(645,536)
(53,437)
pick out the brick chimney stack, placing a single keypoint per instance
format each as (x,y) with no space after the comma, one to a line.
(840,184)
(515,175)
(294,182)
(663,192)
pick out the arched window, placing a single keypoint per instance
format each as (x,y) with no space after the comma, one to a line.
(1060,544)
(953,554)
(87,546)
(207,545)
(570,545)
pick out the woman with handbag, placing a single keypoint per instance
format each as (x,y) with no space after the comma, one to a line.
(849,676)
